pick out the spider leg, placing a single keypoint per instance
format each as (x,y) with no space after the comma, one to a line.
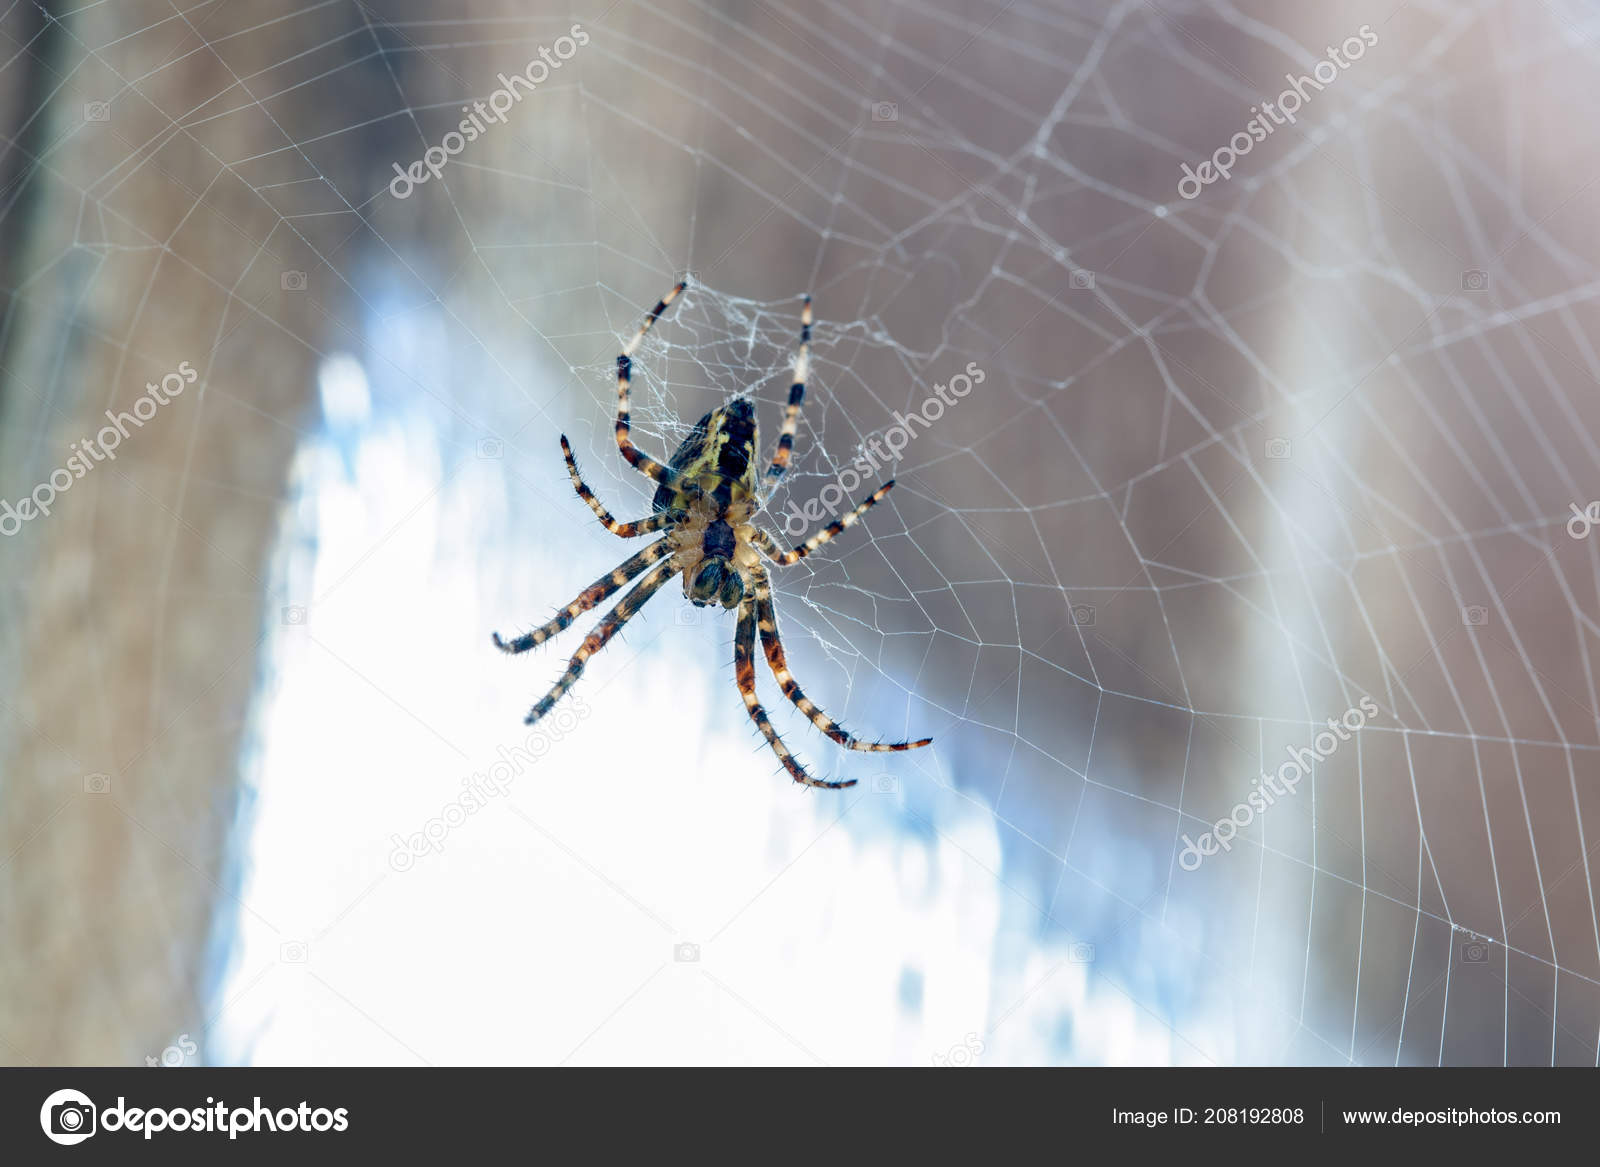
(783,558)
(636,457)
(592,595)
(625,530)
(744,671)
(767,624)
(596,640)
(797,395)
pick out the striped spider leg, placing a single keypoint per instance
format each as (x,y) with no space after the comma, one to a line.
(797,396)
(591,597)
(625,610)
(767,625)
(784,558)
(636,457)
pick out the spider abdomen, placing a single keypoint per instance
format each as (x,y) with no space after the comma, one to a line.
(717,460)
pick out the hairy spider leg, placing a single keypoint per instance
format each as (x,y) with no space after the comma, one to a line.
(744,671)
(783,558)
(636,457)
(767,625)
(655,522)
(797,396)
(601,636)
(591,596)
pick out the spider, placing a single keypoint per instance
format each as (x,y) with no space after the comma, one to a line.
(706,500)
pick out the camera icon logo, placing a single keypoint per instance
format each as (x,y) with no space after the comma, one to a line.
(686,953)
(1475,615)
(293,281)
(885,111)
(294,614)
(97,783)
(293,952)
(1475,952)
(97,111)
(885,784)
(491,449)
(1474,280)
(1081,952)
(1277,449)
(1082,278)
(68,1117)
(1083,615)
(686,615)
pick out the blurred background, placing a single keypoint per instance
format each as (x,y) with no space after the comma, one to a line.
(1282,410)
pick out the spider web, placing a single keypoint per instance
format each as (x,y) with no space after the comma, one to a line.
(1234,464)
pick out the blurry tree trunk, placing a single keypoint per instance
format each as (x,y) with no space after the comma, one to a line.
(136,604)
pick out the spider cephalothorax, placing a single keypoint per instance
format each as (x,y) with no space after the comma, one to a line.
(706,500)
